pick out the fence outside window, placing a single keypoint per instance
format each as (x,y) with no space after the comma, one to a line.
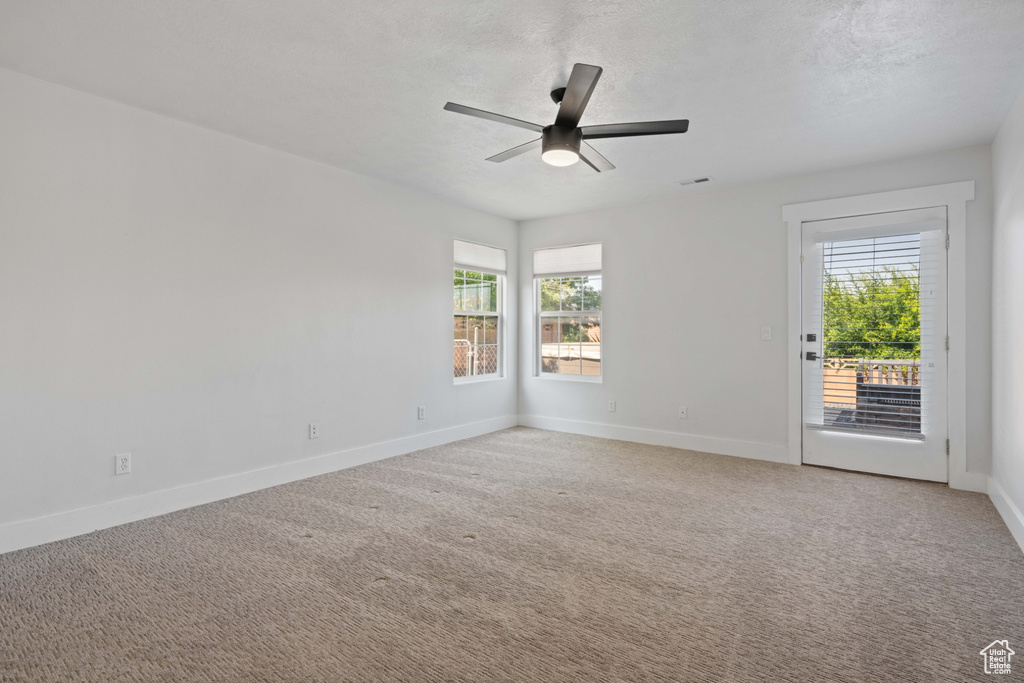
(477,323)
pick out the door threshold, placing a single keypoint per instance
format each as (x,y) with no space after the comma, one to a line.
(875,474)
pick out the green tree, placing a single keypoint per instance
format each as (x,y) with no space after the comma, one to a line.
(873,315)
(570,294)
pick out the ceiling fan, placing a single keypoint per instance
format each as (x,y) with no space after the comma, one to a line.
(565,142)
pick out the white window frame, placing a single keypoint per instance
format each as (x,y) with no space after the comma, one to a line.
(539,316)
(500,333)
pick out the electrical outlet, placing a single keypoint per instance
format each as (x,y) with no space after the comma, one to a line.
(611,406)
(682,412)
(123,463)
(314,430)
(766,333)
(421,412)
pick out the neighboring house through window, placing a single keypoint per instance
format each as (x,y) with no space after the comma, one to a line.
(479,315)
(569,288)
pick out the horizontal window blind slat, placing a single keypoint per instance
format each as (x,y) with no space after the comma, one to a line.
(892,433)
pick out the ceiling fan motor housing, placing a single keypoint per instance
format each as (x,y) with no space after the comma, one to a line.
(560,137)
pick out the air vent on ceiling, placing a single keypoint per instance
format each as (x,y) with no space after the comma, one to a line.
(696,181)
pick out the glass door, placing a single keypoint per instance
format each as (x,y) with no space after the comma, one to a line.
(874,343)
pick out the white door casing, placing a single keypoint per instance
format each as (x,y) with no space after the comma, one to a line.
(954,196)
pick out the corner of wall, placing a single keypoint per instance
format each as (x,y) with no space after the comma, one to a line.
(1006,485)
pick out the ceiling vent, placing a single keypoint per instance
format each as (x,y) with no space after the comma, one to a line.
(696,181)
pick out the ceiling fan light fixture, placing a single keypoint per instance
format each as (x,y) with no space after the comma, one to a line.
(560,146)
(560,157)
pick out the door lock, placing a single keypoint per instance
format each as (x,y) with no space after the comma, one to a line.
(811,355)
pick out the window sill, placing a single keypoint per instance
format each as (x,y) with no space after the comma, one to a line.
(590,379)
(477,380)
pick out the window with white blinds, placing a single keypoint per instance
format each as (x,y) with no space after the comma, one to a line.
(569,295)
(874,313)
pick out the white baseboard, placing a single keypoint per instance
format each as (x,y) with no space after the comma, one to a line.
(1010,512)
(31,532)
(656,437)
(39,530)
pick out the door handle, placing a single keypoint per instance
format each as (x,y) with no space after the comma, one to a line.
(811,355)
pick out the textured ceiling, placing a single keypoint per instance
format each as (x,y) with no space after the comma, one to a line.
(771,87)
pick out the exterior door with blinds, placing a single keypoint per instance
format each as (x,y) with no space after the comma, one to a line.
(874,343)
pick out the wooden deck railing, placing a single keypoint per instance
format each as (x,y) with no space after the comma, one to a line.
(874,393)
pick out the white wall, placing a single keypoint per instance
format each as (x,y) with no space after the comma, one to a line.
(197,300)
(688,283)
(1007,483)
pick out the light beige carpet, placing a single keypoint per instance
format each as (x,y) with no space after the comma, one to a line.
(528,555)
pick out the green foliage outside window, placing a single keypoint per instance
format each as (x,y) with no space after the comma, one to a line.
(873,315)
(475,291)
(570,294)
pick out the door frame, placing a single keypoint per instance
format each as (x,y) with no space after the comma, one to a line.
(954,196)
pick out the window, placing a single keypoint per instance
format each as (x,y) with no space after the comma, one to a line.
(477,323)
(871,319)
(569,310)
(478,319)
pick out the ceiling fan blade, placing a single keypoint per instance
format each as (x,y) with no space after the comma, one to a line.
(515,151)
(628,130)
(490,116)
(577,93)
(594,159)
